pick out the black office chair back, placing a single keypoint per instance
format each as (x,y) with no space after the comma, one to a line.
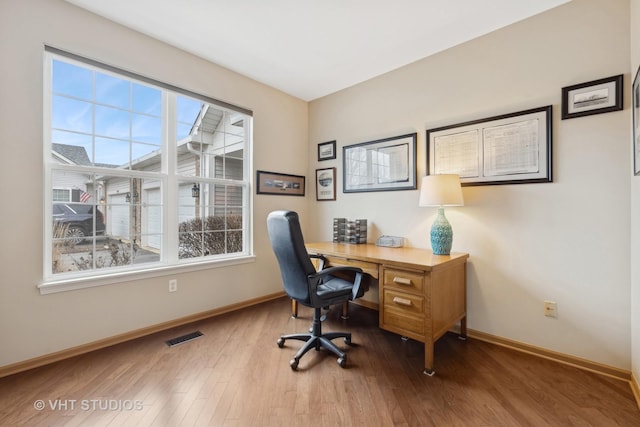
(288,245)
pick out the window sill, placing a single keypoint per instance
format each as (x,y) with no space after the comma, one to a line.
(63,285)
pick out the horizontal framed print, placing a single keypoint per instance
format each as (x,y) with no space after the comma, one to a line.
(594,97)
(381,165)
(327,150)
(636,122)
(508,149)
(326,184)
(279,183)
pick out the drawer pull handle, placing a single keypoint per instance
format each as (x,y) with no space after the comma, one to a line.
(402,301)
(402,281)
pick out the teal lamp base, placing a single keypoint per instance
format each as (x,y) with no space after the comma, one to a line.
(441,235)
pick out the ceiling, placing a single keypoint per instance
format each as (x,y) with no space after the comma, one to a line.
(311,48)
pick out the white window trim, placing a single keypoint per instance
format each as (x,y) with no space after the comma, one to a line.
(168,265)
(122,276)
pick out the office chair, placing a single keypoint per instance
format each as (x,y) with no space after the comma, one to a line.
(316,289)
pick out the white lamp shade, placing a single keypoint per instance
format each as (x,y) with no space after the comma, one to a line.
(441,190)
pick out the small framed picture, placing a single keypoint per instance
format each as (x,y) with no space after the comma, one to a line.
(595,97)
(279,183)
(326,184)
(327,150)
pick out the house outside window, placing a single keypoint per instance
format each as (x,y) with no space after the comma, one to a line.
(140,174)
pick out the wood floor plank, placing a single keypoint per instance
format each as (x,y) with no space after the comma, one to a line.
(235,375)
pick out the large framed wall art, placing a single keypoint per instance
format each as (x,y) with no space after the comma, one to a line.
(381,165)
(508,149)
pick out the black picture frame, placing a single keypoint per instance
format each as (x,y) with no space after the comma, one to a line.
(594,97)
(326,150)
(325,184)
(361,173)
(514,148)
(635,106)
(281,184)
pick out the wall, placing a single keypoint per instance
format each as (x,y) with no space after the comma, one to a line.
(566,241)
(635,211)
(31,324)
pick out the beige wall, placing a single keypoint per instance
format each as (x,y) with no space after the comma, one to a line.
(635,211)
(566,241)
(32,324)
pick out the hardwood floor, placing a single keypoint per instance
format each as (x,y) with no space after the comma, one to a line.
(235,375)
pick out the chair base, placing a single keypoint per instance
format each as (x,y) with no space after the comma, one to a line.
(316,339)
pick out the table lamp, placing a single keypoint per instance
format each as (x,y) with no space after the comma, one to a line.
(441,191)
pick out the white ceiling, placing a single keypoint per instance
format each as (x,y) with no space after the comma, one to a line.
(311,48)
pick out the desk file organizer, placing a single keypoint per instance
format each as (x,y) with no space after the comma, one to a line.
(345,231)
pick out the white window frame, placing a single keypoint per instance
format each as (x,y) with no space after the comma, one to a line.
(169,177)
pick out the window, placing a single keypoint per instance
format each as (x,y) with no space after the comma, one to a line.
(140,174)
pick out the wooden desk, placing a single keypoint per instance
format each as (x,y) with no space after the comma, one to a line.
(420,295)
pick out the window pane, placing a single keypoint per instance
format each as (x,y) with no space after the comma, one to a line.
(216,143)
(188,110)
(145,156)
(208,225)
(72,80)
(146,129)
(113,91)
(147,100)
(112,122)
(71,114)
(71,148)
(77,227)
(114,152)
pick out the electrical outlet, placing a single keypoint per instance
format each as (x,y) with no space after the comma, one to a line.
(173,285)
(550,309)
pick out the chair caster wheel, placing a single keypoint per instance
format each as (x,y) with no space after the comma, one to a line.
(294,364)
(280,342)
(342,361)
(347,340)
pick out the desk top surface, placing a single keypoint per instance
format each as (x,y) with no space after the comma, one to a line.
(409,257)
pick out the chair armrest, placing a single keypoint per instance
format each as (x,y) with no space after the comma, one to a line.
(322,261)
(315,278)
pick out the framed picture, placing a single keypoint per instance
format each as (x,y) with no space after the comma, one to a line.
(326,184)
(327,150)
(279,183)
(381,165)
(512,148)
(595,97)
(635,97)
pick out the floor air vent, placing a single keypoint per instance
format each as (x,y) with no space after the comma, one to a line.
(184,338)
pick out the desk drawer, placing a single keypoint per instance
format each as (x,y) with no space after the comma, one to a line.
(400,323)
(403,302)
(369,268)
(405,280)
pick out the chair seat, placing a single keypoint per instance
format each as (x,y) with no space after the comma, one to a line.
(334,287)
